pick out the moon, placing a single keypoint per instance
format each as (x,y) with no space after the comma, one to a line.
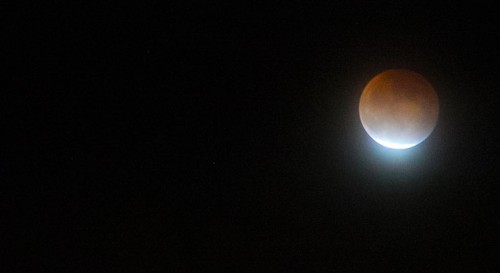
(399,108)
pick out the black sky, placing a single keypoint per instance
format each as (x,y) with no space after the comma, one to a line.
(201,137)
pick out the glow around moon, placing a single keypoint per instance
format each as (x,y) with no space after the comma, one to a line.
(399,108)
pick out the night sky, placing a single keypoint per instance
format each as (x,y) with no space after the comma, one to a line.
(211,137)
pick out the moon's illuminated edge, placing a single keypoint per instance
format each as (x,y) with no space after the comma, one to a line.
(391,144)
(394,145)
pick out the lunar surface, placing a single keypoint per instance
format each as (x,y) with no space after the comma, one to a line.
(399,108)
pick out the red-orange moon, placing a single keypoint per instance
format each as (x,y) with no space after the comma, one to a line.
(399,108)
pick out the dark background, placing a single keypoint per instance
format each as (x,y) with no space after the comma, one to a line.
(197,137)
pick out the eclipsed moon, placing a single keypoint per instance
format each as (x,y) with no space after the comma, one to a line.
(399,108)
